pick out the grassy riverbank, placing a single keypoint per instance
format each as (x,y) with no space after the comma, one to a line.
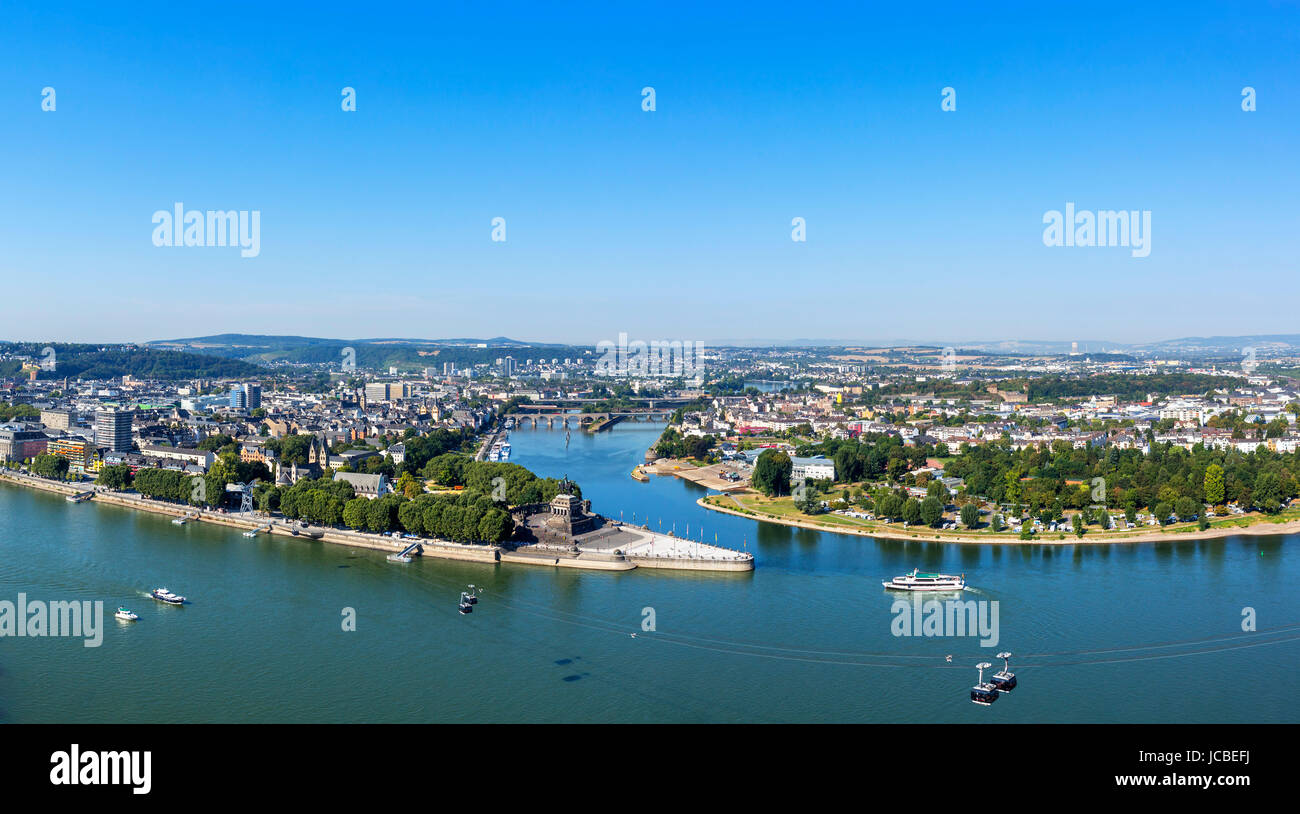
(783,511)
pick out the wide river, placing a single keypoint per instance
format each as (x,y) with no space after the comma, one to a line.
(1100,633)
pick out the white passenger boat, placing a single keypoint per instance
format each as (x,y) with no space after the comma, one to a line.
(919,581)
(125,615)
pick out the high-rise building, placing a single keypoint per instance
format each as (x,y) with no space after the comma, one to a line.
(510,366)
(253,395)
(238,398)
(113,429)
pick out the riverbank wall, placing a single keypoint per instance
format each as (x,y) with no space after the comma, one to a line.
(440,549)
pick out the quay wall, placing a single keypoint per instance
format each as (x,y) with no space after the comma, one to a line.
(441,549)
(676,564)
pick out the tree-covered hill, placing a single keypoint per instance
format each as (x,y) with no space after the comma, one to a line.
(107,362)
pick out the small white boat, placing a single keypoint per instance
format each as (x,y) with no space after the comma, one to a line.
(178,521)
(918,581)
(400,558)
(125,615)
(251,533)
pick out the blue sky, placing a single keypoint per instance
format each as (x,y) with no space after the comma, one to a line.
(921,224)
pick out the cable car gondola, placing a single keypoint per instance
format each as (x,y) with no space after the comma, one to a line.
(1004,680)
(472,596)
(465,606)
(983,693)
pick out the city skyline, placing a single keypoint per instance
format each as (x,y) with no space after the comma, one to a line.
(655,223)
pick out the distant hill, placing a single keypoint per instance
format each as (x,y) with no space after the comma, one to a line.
(111,361)
(379,353)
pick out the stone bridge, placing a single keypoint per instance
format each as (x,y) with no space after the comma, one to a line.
(588,419)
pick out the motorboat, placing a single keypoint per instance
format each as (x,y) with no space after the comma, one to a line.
(125,615)
(167,597)
(919,581)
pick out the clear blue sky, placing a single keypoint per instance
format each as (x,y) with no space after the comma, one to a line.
(673,224)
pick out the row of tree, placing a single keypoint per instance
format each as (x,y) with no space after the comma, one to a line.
(1041,476)
(465,517)
(517,486)
(54,467)
(673,444)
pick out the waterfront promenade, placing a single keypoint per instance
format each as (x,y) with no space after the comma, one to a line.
(641,552)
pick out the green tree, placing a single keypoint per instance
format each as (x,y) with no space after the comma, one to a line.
(1162,511)
(116,477)
(354,513)
(772,473)
(911,511)
(889,506)
(1214,484)
(215,442)
(54,467)
(1268,492)
(970,515)
(1186,508)
(931,509)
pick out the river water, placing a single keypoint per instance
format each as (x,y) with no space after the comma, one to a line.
(1100,633)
